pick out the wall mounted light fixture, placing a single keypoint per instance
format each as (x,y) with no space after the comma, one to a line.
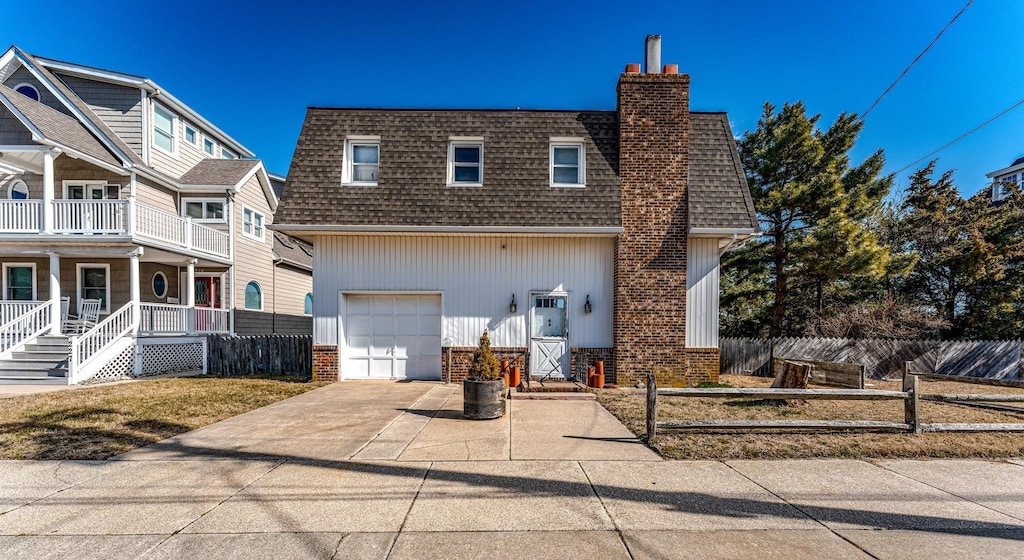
(587,308)
(512,306)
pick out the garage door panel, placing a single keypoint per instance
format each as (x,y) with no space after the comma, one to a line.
(393,336)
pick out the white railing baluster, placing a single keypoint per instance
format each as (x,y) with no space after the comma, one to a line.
(88,346)
(89,216)
(164,318)
(182,232)
(20,216)
(24,327)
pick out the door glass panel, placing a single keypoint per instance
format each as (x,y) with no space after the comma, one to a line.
(549,314)
(76,192)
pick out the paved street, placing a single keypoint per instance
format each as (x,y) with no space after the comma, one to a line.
(390,470)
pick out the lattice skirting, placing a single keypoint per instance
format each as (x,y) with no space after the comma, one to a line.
(121,367)
(165,358)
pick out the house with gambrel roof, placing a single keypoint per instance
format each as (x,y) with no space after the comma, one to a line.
(571,236)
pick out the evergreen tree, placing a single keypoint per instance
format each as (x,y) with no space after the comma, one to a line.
(485,366)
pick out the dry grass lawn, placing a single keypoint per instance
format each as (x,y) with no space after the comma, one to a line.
(99,422)
(629,406)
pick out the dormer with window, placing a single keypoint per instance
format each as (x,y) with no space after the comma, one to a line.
(466,162)
(568,162)
(362,161)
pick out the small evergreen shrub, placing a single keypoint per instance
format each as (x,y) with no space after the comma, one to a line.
(485,366)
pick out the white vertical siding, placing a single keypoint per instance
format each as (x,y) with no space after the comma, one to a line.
(702,293)
(476,277)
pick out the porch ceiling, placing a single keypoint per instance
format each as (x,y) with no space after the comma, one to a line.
(23,158)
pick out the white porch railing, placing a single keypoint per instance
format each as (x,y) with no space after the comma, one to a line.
(20,216)
(86,217)
(89,216)
(91,345)
(163,318)
(171,228)
(30,324)
(11,309)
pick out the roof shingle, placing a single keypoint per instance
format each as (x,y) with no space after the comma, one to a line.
(218,172)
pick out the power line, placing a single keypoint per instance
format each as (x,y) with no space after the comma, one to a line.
(907,69)
(962,136)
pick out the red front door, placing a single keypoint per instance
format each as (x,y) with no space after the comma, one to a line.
(208,292)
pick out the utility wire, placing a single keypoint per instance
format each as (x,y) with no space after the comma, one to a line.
(962,136)
(907,69)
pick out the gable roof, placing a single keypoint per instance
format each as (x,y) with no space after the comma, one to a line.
(218,172)
(292,251)
(412,191)
(53,127)
(719,196)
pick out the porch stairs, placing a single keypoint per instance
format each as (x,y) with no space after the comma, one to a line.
(42,361)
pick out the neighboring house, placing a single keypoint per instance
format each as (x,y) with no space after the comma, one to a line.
(572,236)
(113,189)
(1014,174)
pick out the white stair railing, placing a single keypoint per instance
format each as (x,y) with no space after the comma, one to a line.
(90,346)
(23,328)
(10,309)
(19,216)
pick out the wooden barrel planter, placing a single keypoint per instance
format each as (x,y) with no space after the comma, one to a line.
(483,400)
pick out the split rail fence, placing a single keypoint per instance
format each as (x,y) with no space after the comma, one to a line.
(910,395)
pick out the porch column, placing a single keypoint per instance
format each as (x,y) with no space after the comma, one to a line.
(190,296)
(48,157)
(133,281)
(55,314)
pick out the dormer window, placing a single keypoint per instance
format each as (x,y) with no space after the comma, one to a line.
(568,162)
(466,162)
(208,146)
(227,154)
(164,123)
(362,161)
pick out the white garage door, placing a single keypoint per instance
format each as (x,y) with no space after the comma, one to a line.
(392,337)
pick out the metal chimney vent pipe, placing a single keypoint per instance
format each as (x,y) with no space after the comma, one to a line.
(652,62)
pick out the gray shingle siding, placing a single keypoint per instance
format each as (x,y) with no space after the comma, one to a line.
(22,75)
(118,106)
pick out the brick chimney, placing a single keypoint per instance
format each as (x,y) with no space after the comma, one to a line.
(650,254)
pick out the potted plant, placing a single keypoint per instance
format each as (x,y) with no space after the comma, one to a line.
(483,391)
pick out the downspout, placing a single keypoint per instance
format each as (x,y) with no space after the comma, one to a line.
(231,269)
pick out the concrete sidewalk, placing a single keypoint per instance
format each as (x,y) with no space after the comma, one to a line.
(239,489)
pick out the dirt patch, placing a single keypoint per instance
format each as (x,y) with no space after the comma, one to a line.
(629,406)
(99,422)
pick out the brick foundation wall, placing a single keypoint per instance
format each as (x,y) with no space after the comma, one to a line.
(582,358)
(462,357)
(325,362)
(650,253)
(702,364)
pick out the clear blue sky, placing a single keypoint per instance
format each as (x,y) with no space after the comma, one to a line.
(253,67)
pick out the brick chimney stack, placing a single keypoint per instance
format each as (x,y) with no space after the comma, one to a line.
(650,256)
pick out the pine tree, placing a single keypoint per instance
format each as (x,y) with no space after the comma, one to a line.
(485,365)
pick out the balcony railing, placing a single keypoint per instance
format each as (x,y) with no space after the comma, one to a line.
(163,318)
(114,217)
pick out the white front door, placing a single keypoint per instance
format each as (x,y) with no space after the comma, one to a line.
(392,337)
(549,335)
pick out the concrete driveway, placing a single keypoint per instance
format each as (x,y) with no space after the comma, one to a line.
(368,470)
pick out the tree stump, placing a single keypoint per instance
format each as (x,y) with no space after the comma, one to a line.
(793,375)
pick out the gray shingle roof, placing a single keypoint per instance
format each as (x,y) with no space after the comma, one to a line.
(58,127)
(291,249)
(719,195)
(412,187)
(218,172)
(413,170)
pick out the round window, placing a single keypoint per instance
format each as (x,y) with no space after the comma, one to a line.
(17,190)
(28,90)
(159,285)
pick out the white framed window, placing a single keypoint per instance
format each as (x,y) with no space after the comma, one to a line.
(253,296)
(466,162)
(568,162)
(191,135)
(227,154)
(362,161)
(159,285)
(19,281)
(252,223)
(28,90)
(203,209)
(93,282)
(17,190)
(91,190)
(209,147)
(307,304)
(165,125)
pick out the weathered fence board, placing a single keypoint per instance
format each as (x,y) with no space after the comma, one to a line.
(261,354)
(881,358)
(833,374)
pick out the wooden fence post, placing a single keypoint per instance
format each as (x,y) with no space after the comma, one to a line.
(911,406)
(652,408)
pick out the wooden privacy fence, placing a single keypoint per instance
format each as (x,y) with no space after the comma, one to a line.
(880,357)
(910,395)
(261,354)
